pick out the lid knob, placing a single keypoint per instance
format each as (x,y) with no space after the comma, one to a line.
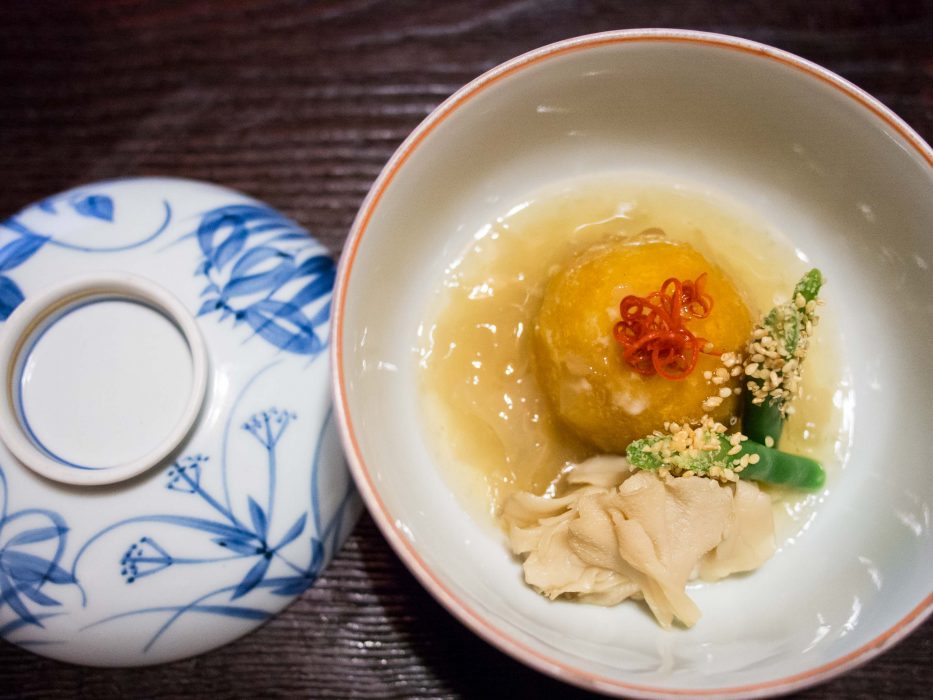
(104,377)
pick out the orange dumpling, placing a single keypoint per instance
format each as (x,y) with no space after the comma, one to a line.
(592,388)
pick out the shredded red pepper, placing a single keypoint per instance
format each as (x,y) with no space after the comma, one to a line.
(653,334)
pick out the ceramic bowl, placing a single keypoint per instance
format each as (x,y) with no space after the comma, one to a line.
(846,180)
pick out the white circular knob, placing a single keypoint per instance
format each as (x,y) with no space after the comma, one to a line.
(104,377)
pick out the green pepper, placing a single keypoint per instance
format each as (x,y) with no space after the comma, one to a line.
(773,466)
(787,323)
(762,421)
(776,467)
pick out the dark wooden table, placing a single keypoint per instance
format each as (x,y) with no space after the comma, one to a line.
(301,104)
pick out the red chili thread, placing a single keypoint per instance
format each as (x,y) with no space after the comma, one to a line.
(653,334)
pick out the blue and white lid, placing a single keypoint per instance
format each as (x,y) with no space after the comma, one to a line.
(170,472)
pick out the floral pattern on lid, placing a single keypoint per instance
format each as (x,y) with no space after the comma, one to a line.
(198,551)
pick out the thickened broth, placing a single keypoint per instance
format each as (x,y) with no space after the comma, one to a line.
(493,428)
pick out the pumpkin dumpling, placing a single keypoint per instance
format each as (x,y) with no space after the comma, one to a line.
(606,400)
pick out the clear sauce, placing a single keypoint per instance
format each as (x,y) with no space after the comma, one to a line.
(493,429)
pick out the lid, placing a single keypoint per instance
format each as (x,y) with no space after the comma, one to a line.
(170,473)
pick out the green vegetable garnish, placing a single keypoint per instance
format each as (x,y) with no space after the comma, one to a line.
(778,346)
(708,451)
(772,367)
(776,467)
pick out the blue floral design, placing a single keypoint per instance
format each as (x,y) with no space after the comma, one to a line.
(263,270)
(144,558)
(12,255)
(235,537)
(265,273)
(26,566)
(19,242)
(98,206)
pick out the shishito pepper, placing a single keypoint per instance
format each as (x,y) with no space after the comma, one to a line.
(776,350)
(708,451)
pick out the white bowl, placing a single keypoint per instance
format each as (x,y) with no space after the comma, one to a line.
(842,176)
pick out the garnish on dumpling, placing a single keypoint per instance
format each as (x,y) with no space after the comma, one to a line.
(682,502)
(625,333)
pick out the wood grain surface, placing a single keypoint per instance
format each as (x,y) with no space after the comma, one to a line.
(301,104)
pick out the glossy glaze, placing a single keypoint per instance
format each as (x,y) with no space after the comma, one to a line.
(205,546)
(495,429)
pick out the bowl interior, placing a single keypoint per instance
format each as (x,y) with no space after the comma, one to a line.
(834,176)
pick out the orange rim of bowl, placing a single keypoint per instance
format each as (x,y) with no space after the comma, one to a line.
(403,547)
